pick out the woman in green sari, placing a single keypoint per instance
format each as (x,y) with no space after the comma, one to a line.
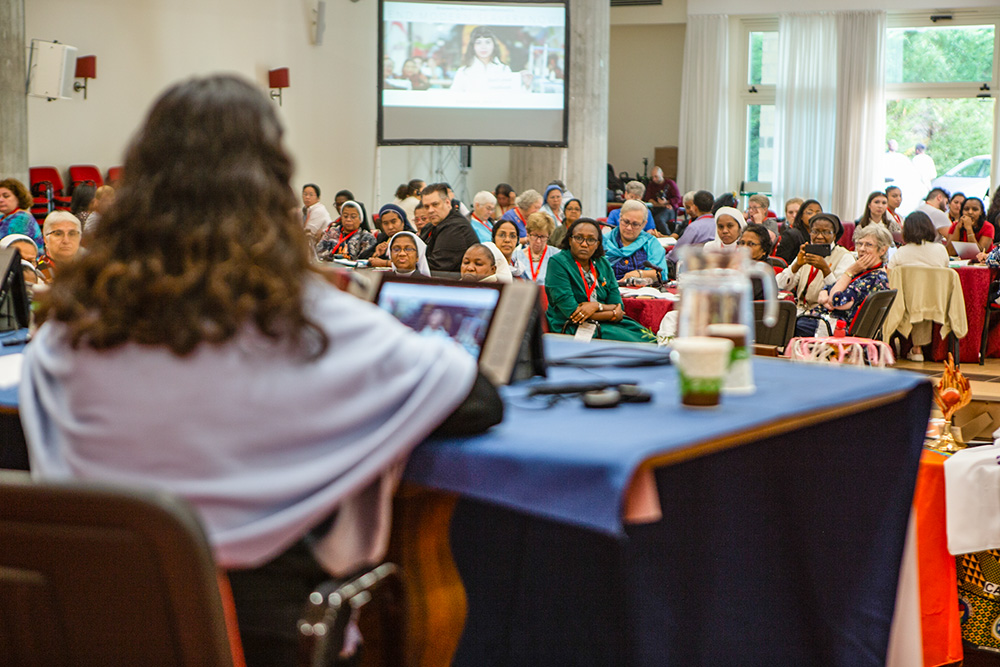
(581,286)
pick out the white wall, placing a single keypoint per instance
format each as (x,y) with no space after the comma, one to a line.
(644,107)
(141,47)
(742,8)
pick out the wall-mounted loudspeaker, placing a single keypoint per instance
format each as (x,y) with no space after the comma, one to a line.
(50,70)
(320,21)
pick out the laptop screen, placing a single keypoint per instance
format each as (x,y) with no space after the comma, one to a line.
(459,311)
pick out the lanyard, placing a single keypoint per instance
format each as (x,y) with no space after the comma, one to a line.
(520,217)
(593,274)
(864,273)
(343,240)
(488,228)
(534,273)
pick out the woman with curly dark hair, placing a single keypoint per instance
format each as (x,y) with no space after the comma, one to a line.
(193,350)
(15,211)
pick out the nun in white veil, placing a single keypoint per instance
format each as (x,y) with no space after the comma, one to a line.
(404,263)
(503,274)
(729,224)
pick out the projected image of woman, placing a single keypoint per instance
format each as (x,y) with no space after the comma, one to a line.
(482,70)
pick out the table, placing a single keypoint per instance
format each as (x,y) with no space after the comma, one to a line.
(975,289)
(782,528)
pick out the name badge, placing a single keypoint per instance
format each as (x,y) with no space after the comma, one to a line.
(585,332)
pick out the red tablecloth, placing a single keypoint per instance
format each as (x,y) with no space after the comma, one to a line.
(975,288)
(939,616)
(647,312)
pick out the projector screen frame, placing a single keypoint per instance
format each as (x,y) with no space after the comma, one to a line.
(380,134)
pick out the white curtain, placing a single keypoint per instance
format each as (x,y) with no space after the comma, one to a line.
(805,107)
(703,148)
(860,110)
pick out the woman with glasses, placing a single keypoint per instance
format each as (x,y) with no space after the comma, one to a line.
(581,287)
(572,209)
(346,238)
(629,248)
(756,239)
(505,239)
(392,219)
(864,276)
(62,242)
(408,254)
(810,273)
(535,257)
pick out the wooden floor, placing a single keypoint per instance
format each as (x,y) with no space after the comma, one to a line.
(989,372)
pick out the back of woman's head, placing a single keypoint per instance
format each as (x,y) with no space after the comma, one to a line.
(203,238)
(83,195)
(918,228)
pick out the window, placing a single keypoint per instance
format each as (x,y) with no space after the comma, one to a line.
(940,80)
(759,59)
(760,143)
(763,58)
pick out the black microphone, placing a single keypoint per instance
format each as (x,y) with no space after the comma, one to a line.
(659,271)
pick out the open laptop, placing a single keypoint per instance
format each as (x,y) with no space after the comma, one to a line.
(497,324)
(966,250)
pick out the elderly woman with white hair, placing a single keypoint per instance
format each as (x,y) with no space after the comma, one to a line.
(630,250)
(61,232)
(634,191)
(536,255)
(481,218)
(863,277)
(528,202)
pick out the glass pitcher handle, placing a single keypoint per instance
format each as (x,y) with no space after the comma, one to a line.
(770,298)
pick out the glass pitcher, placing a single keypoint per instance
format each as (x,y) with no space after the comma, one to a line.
(717,300)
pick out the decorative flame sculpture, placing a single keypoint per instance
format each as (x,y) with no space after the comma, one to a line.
(951,394)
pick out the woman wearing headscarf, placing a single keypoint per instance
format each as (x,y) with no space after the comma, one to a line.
(176,365)
(346,238)
(479,264)
(553,203)
(810,274)
(409,254)
(392,219)
(504,273)
(729,224)
(628,248)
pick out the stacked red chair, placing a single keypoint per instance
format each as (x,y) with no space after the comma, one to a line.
(46,187)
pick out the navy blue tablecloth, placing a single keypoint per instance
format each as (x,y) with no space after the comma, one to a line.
(782,551)
(8,395)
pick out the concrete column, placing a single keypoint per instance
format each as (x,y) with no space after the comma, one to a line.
(583,165)
(13,101)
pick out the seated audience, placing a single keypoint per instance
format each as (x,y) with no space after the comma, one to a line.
(29,255)
(483,206)
(553,205)
(863,277)
(701,229)
(727,199)
(526,203)
(876,212)
(103,199)
(536,255)
(894,197)
(634,190)
(955,207)
(392,220)
(208,370)
(993,215)
(664,198)
(340,198)
(81,205)
(15,212)
(757,240)
(972,226)
(315,217)
(566,194)
(62,242)
(419,218)
(347,238)
(919,247)
(759,213)
(410,196)
(581,286)
(573,209)
(796,232)
(792,207)
(729,223)
(628,248)
(505,199)
(409,254)
(457,203)
(479,264)
(505,240)
(681,224)
(447,234)
(935,206)
(809,274)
